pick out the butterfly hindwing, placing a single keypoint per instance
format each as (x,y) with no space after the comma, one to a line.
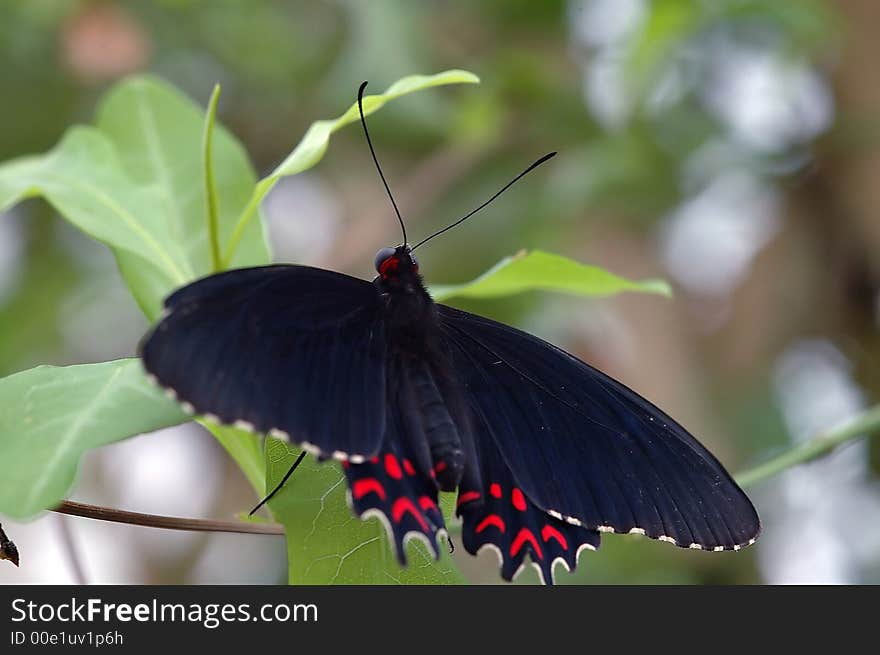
(390,487)
(586,449)
(496,513)
(293,351)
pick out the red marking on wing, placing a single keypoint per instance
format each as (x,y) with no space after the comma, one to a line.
(467,497)
(374,460)
(441,466)
(345,464)
(408,467)
(362,487)
(549,532)
(525,535)
(492,519)
(519,501)
(392,468)
(426,503)
(495,490)
(403,505)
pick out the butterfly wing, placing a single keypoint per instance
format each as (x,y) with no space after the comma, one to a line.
(389,487)
(496,514)
(293,351)
(587,450)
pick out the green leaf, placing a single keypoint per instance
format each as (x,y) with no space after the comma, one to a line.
(327,543)
(313,145)
(527,271)
(159,134)
(210,181)
(83,178)
(52,415)
(133,183)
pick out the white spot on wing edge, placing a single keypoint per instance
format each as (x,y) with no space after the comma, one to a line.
(667,539)
(310,448)
(717,549)
(604,528)
(640,531)
(695,546)
(247,426)
(279,434)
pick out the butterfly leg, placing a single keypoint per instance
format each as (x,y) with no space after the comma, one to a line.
(279,485)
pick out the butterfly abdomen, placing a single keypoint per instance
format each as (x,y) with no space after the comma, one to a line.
(438,427)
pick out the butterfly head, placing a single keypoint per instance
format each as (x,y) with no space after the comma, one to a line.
(394,264)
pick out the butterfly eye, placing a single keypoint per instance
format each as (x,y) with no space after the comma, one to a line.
(382,255)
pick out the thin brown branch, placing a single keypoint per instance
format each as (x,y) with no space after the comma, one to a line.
(167,522)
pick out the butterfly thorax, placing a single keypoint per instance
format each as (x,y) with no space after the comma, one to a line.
(411,328)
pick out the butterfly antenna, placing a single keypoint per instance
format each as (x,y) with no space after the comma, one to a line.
(502,190)
(376,160)
(279,485)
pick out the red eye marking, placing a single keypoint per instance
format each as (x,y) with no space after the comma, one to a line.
(549,532)
(525,535)
(518,499)
(467,497)
(408,467)
(492,519)
(495,490)
(403,505)
(426,503)
(389,266)
(392,468)
(362,487)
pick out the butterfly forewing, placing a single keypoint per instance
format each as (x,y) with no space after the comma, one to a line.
(586,449)
(292,351)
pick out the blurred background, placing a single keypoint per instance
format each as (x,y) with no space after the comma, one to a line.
(730,146)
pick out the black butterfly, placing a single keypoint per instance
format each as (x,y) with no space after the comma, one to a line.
(415,397)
